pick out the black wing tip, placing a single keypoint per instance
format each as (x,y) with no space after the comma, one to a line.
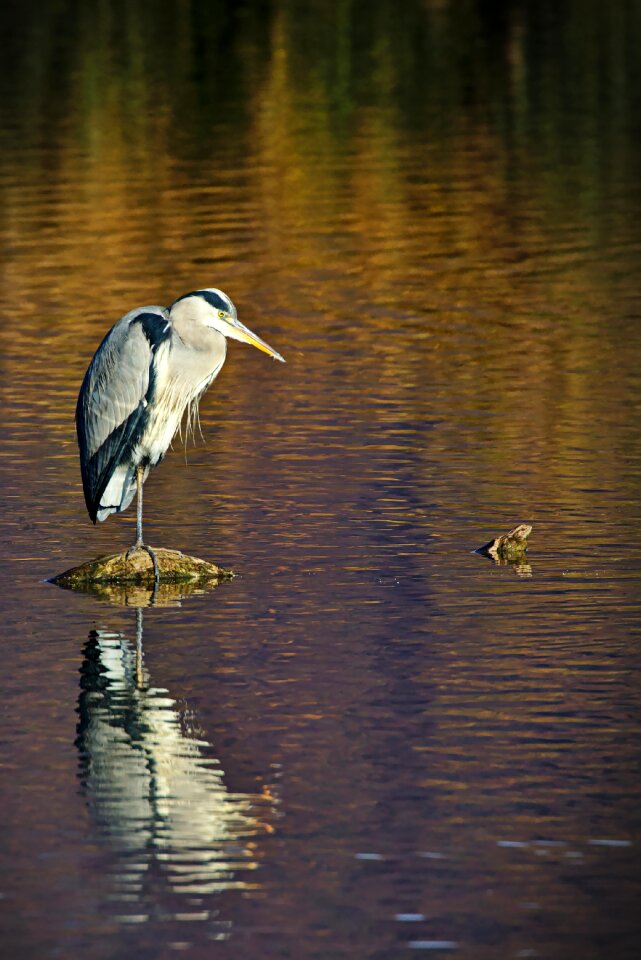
(92,507)
(91,502)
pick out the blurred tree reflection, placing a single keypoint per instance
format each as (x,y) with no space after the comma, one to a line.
(466,168)
(429,62)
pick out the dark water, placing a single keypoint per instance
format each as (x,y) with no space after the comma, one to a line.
(372,743)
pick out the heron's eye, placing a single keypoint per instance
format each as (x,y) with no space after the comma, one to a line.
(221,314)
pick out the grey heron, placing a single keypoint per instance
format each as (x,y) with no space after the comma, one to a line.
(153,365)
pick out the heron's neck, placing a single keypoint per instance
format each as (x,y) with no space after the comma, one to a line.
(199,338)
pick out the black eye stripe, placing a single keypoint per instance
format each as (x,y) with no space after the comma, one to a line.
(216,301)
(213,299)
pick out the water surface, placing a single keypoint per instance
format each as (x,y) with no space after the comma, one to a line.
(372,743)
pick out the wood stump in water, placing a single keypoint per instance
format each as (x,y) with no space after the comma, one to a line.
(511,546)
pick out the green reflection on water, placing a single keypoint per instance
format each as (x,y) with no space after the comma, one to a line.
(554,76)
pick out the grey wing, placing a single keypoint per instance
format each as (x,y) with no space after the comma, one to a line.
(111,409)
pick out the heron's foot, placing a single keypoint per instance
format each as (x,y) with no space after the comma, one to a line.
(143,546)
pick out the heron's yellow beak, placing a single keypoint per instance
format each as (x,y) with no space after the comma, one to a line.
(238,331)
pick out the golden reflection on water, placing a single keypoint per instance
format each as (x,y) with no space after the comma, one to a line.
(408,257)
(139,596)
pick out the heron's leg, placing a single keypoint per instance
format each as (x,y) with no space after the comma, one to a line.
(140,677)
(139,540)
(143,546)
(139,544)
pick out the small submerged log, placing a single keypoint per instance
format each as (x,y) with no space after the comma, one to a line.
(511,546)
(137,569)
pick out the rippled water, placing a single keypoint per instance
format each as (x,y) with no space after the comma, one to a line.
(371,743)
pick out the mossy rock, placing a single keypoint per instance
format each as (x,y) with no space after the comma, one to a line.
(137,569)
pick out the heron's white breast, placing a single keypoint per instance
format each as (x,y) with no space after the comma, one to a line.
(180,381)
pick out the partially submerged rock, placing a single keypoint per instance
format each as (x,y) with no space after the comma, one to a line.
(511,546)
(137,570)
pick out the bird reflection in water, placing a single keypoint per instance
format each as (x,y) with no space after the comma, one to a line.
(155,791)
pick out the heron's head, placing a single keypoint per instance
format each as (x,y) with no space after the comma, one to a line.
(213,308)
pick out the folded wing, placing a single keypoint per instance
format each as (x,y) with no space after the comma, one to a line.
(111,413)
